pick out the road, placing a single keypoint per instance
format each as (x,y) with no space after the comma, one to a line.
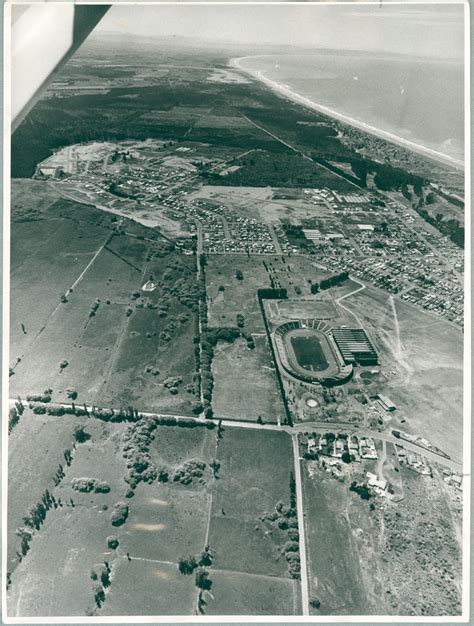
(302,427)
(351,293)
(301,527)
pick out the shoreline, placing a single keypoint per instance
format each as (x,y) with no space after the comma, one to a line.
(285,91)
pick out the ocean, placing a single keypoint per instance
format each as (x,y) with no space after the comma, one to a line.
(418,100)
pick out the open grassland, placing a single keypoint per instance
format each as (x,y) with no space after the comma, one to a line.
(234,593)
(237,296)
(426,355)
(54,578)
(380,557)
(29,199)
(245,386)
(72,538)
(333,561)
(158,338)
(47,257)
(166,521)
(254,476)
(120,343)
(39,442)
(143,587)
(229,295)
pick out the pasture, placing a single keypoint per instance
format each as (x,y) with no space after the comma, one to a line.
(144,587)
(227,295)
(37,441)
(234,593)
(245,386)
(254,476)
(113,336)
(166,521)
(72,538)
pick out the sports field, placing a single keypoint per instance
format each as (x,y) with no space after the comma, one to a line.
(309,353)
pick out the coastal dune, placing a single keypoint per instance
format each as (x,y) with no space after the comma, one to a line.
(287,92)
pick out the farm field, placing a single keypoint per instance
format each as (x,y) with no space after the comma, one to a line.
(29,198)
(72,538)
(254,476)
(238,296)
(426,355)
(37,441)
(241,594)
(143,587)
(47,256)
(73,542)
(121,344)
(165,522)
(245,386)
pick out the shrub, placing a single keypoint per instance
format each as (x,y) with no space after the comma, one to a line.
(80,434)
(112,542)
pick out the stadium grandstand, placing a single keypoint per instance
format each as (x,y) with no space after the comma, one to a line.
(354,346)
(307,351)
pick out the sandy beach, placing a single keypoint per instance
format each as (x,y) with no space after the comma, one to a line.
(285,91)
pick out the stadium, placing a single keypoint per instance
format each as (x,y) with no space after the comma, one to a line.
(308,352)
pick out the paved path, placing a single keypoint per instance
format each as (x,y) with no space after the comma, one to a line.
(301,527)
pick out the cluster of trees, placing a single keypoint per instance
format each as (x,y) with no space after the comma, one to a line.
(387,177)
(42,397)
(285,518)
(292,491)
(136,449)
(59,475)
(332,281)
(451,228)
(188,564)
(129,414)
(362,490)
(86,485)
(14,414)
(34,519)
(189,471)
(101,581)
(172,384)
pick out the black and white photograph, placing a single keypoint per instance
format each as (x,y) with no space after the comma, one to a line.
(236,319)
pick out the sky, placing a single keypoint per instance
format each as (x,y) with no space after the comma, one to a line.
(428,30)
